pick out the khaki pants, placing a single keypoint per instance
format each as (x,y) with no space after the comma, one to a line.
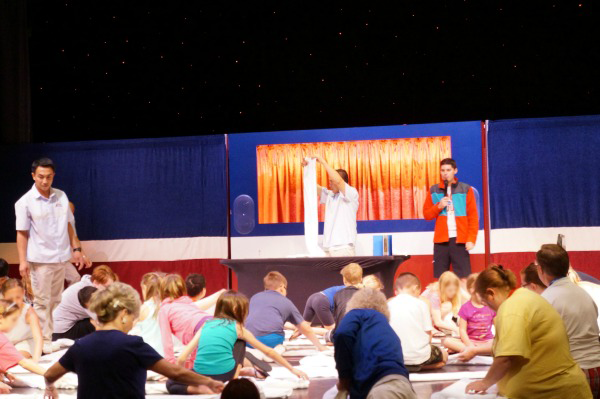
(71,274)
(47,282)
(349,251)
(392,386)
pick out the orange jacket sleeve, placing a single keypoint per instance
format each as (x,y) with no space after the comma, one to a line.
(430,210)
(472,217)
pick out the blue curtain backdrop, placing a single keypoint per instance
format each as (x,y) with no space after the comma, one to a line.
(544,172)
(124,189)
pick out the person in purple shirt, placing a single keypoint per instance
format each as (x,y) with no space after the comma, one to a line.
(270,310)
(475,326)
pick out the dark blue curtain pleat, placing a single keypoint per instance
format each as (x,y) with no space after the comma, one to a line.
(152,188)
(545,172)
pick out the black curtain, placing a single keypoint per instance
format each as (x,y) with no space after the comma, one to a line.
(15,93)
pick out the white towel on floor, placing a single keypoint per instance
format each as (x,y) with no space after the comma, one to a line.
(457,391)
(319,360)
(476,361)
(68,381)
(458,375)
(311,209)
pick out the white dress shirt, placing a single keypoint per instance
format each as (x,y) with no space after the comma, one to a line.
(46,220)
(340,217)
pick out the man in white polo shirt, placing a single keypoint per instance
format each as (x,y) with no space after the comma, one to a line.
(341,205)
(46,242)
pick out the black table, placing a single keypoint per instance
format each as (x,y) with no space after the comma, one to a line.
(306,276)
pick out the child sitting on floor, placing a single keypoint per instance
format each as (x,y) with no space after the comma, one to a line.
(373,282)
(147,325)
(26,335)
(352,274)
(196,289)
(220,345)
(445,299)
(270,310)
(368,353)
(71,320)
(178,315)
(111,364)
(9,355)
(475,326)
(240,389)
(411,320)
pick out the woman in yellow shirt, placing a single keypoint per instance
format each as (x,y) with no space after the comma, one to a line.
(531,348)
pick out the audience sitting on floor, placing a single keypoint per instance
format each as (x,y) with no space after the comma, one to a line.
(576,308)
(111,363)
(531,348)
(220,345)
(9,355)
(178,316)
(147,325)
(270,310)
(352,275)
(531,280)
(368,352)
(445,299)
(26,335)
(411,320)
(196,289)
(475,326)
(71,319)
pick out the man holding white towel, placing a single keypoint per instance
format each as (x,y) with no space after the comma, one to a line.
(341,205)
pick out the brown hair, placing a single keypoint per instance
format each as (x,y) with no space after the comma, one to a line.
(10,284)
(102,274)
(274,280)
(471,281)
(232,305)
(530,275)
(495,276)
(352,273)
(240,388)
(7,308)
(448,161)
(172,286)
(343,174)
(406,280)
(109,302)
(553,260)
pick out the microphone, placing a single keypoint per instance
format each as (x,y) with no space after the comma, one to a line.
(445,188)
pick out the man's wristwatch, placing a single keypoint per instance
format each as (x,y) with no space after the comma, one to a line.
(78,249)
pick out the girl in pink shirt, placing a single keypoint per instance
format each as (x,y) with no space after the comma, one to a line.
(178,315)
(9,355)
(475,327)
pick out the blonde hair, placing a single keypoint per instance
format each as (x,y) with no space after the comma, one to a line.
(274,280)
(573,275)
(368,298)
(372,281)
(471,281)
(352,273)
(232,305)
(151,289)
(116,297)
(445,280)
(172,286)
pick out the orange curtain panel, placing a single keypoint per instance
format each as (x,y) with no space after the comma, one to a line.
(391,176)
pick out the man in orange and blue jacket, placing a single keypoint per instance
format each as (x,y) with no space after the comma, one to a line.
(453,205)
